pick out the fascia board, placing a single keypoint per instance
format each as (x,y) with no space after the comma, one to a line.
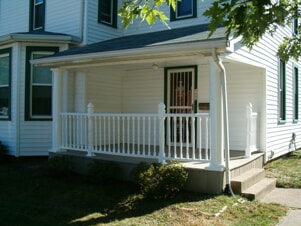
(11,38)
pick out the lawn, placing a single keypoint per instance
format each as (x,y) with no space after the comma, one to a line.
(287,170)
(30,196)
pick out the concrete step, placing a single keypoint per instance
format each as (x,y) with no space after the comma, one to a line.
(260,189)
(247,179)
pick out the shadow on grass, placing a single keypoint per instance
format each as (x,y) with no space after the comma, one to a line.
(131,206)
(31,197)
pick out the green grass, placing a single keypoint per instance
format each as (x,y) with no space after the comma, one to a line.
(30,196)
(287,170)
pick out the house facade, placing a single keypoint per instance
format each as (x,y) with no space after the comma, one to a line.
(93,64)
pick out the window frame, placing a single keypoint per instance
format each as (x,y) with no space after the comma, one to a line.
(174,17)
(32,11)
(113,14)
(295,94)
(282,91)
(30,50)
(7,52)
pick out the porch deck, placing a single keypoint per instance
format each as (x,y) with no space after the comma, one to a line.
(201,178)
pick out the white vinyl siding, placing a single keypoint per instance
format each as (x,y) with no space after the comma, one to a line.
(142,88)
(65,17)
(114,91)
(104,91)
(14,16)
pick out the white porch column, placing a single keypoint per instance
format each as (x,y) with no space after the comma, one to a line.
(161,112)
(65,91)
(56,108)
(216,119)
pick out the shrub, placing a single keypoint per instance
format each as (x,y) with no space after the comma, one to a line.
(105,171)
(138,170)
(162,181)
(60,166)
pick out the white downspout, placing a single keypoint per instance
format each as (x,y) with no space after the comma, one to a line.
(218,61)
(84,22)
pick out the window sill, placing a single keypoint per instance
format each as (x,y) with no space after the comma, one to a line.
(182,18)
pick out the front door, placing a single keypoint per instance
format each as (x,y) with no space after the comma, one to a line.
(181,99)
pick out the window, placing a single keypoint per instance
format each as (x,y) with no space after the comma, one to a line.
(282,91)
(185,9)
(38,85)
(37,14)
(296,94)
(107,12)
(5,93)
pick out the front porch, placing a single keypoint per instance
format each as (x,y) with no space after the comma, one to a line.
(129,139)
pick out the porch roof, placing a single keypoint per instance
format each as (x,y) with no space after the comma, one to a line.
(192,38)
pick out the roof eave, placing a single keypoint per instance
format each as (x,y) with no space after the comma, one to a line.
(19,37)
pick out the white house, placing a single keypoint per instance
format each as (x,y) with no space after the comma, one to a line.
(122,76)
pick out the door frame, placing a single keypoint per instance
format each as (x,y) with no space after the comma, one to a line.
(195,85)
(166,89)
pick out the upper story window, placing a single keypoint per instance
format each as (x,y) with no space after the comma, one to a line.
(282,91)
(185,9)
(107,12)
(38,14)
(5,87)
(38,92)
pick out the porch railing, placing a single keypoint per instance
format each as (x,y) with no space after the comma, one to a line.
(159,136)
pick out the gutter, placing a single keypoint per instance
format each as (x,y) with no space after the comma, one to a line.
(219,63)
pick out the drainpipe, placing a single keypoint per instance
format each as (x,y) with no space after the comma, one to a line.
(218,61)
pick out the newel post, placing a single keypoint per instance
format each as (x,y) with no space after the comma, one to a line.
(161,112)
(249,110)
(90,110)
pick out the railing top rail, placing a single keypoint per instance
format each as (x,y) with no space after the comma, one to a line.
(73,113)
(137,114)
(186,114)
